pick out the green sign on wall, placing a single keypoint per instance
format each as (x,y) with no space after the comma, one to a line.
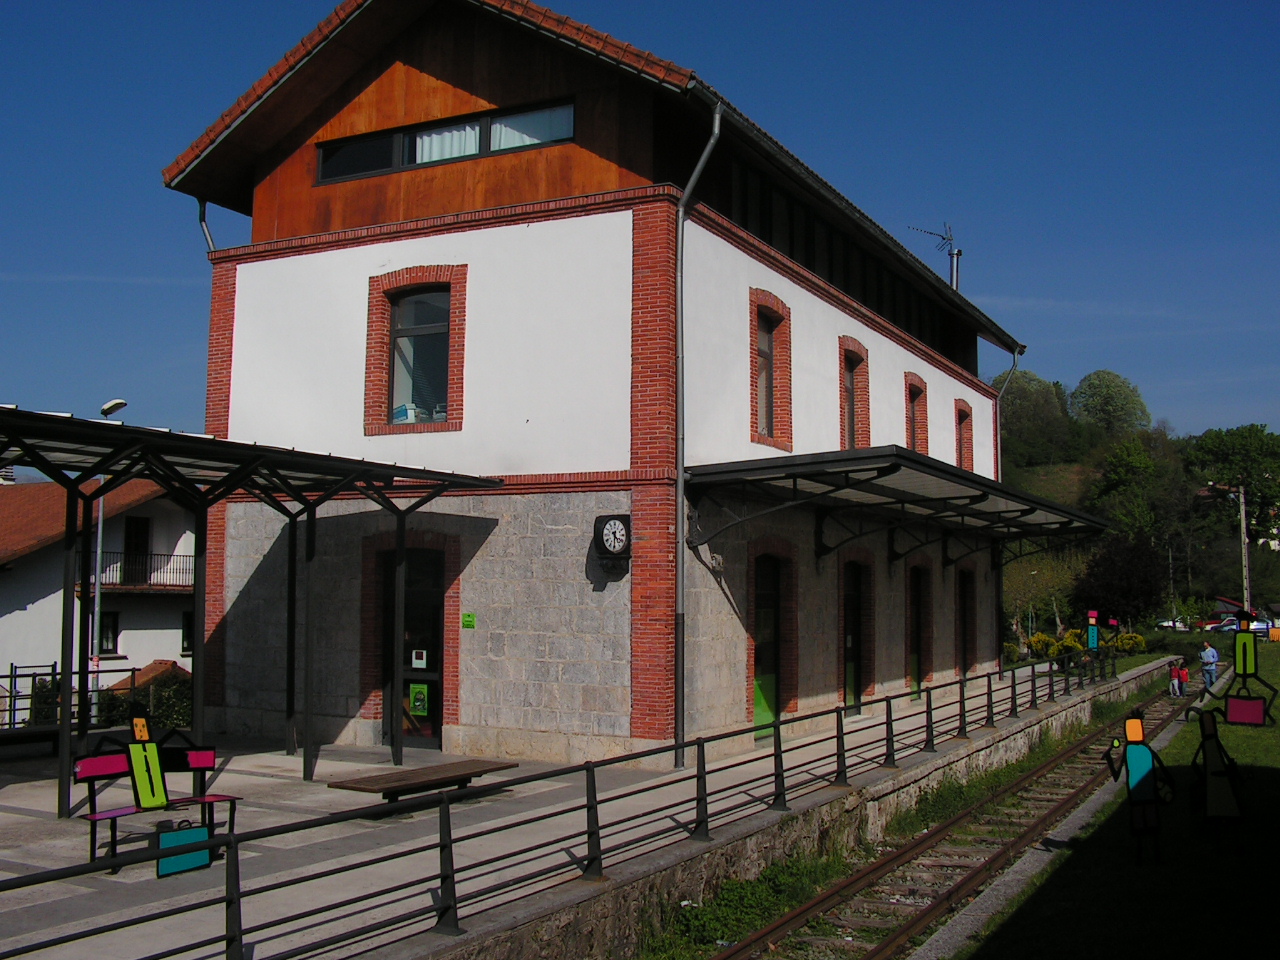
(468,621)
(419,700)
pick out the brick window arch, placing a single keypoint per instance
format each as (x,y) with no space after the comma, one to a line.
(917,406)
(964,435)
(855,395)
(384,291)
(770,370)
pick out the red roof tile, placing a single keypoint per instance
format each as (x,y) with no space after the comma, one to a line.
(149,674)
(541,18)
(32,515)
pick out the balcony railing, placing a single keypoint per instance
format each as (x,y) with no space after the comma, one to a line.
(174,570)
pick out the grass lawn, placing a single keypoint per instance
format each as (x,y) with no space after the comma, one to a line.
(1208,892)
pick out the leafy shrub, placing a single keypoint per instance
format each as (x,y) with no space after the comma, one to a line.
(167,700)
(1075,636)
(1040,644)
(1012,653)
(1065,645)
(43,704)
(1130,643)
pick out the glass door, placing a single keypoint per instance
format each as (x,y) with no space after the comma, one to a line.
(422,698)
(768,616)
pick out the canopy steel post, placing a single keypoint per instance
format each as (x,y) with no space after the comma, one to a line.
(68,654)
(291,642)
(394,706)
(82,655)
(198,596)
(308,653)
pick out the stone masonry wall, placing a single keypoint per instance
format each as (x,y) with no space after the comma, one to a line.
(544,674)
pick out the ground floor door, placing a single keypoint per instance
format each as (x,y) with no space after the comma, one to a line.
(768,634)
(419,705)
(917,611)
(853,639)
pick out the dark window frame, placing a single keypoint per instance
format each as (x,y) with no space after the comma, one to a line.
(109,634)
(421,330)
(400,137)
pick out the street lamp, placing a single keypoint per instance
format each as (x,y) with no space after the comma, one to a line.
(108,408)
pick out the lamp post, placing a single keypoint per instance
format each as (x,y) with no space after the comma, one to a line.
(108,408)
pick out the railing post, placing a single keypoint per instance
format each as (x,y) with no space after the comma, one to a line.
(447,915)
(962,732)
(842,759)
(1079,672)
(234,924)
(1013,693)
(1035,702)
(779,773)
(593,869)
(889,759)
(13,695)
(1053,696)
(991,702)
(702,823)
(1066,677)
(928,721)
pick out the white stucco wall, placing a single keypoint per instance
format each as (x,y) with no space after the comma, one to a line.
(547,354)
(718,280)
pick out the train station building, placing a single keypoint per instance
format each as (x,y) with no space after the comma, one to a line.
(749,467)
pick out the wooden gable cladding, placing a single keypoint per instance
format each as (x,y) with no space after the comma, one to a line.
(453,62)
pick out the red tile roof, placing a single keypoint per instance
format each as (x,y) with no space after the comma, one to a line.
(32,515)
(149,674)
(561,27)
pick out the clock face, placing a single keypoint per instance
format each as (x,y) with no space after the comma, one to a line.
(614,536)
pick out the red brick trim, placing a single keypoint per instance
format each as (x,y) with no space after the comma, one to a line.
(377,363)
(653,571)
(866,561)
(926,628)
(371,626)
(851,349)
(215,606)
(916,398)
(764,301)
(764,254)
(964,435)
(222,319)
(653,456)
(520,213)
(789,641)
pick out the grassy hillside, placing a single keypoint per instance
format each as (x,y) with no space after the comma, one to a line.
(1063,483)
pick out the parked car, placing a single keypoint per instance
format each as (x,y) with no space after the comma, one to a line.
(1231,625)
(1178,624)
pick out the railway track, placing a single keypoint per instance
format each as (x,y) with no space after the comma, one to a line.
(876,912)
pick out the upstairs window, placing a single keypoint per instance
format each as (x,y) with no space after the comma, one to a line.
(964,435)
(770,370)
(917,414)
(855,396)
(420,357)
(414,350)
(445,142)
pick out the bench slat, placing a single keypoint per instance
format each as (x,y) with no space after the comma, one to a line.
(422,779)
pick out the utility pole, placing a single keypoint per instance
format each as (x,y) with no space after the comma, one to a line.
(1244,556)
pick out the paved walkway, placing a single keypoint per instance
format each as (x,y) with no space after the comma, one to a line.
(525,838)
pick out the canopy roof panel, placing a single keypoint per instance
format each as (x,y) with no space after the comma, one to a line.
(201,468)
(897,486)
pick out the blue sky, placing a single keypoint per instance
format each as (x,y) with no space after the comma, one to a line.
(1112,172)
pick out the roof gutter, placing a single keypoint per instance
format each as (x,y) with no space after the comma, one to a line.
(682,517)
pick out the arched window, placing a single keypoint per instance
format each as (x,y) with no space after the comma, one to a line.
(855,400)
(964,435)
(917,397)
(770,370)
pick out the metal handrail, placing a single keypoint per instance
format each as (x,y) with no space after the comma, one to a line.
(915,732)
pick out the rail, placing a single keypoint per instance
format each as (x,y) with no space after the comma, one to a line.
(467,872)
(121,569)
(30,700)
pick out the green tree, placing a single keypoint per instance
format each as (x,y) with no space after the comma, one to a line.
(1108,400)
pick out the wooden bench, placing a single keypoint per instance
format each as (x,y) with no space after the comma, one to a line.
(440,776)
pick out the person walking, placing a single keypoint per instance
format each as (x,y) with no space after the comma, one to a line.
(1209,664)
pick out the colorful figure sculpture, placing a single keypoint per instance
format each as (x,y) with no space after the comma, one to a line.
(1242,707)
(1147,779)
(1215,770)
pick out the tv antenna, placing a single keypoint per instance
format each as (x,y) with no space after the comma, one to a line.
(948,243)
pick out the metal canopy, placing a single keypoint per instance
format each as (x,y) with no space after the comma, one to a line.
(895,488)
(197,472)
